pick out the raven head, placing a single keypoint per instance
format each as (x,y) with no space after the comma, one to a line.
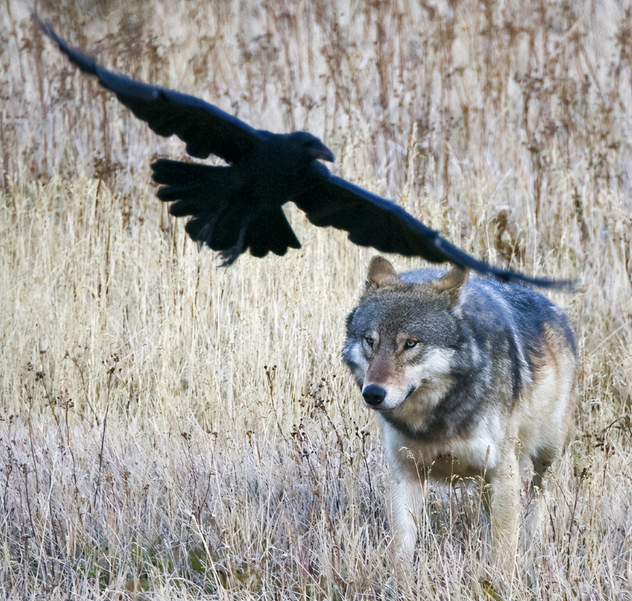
(312,146)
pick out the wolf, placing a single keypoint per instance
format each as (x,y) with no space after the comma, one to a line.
(468,377)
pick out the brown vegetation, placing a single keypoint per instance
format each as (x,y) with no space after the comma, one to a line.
(190,432)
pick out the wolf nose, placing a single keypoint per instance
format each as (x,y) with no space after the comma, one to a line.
(373,395)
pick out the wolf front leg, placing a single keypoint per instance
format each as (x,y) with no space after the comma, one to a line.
(504,509)
(407,498)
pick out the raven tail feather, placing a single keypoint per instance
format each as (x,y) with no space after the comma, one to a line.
(221,219)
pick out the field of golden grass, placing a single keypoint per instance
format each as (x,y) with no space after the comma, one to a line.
(171,430)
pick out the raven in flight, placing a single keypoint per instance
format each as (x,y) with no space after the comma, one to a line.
(238,207)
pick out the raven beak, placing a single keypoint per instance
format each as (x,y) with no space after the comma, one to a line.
(323,153)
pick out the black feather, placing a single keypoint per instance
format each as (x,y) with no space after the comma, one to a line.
(272,233)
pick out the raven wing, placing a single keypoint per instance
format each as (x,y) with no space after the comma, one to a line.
(329,200)
(203,127)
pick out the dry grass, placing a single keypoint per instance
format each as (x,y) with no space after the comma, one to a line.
(173,428)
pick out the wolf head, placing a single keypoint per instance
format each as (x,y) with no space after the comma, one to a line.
(402,335)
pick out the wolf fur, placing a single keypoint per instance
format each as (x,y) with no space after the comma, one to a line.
(468,377)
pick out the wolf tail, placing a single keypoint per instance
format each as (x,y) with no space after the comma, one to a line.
(221,218)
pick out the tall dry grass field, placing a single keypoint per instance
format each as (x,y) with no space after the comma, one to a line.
(171,430)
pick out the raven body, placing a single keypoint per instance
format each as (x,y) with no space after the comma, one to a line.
(238,207)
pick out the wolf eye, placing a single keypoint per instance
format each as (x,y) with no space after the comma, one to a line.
(410,343)
(369,340)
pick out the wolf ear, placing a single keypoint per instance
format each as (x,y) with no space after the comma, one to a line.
(452,283)
(381,273)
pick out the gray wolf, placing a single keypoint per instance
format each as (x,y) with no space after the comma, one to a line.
(239,206)
(468,377)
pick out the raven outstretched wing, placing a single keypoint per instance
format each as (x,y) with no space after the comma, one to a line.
(205,128)
(387,227)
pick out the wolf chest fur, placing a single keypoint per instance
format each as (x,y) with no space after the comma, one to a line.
(468,377)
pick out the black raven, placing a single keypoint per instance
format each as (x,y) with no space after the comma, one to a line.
(238,207)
